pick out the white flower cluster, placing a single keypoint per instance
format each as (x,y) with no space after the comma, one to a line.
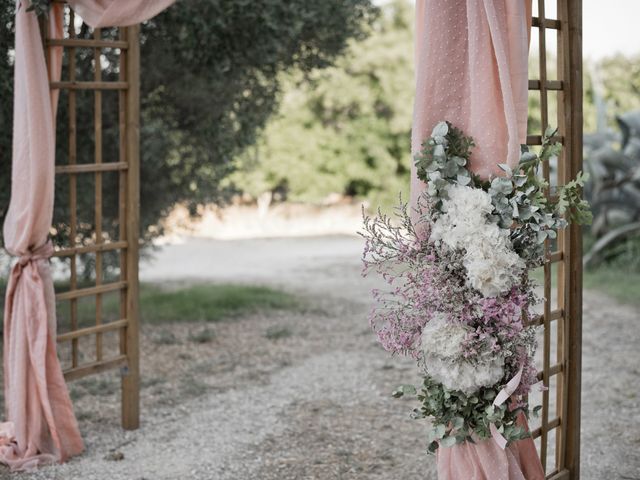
(492,265)
(441,344)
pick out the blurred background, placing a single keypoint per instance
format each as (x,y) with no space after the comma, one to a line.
(266,126)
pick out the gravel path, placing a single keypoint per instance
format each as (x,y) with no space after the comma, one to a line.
(315,403)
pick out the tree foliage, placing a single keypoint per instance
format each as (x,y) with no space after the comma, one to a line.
(210,80)
(6,100)
(344,129)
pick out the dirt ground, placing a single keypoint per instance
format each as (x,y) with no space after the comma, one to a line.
(306,394)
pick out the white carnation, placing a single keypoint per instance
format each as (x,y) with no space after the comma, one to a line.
(492,265)
(441,343)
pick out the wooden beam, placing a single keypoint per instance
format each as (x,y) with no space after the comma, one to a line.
(103,247)
(570,15)
(131,378)
(86,292)
(83,332)
(95,367)
(77,85)
(83,43)
(547,23)
(561,475)
(540,431)
(549,85)
(91,167)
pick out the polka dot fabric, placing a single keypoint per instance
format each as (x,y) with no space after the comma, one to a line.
(471,69)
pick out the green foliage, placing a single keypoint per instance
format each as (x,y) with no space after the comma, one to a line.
(209,303)
(618,280)
(532,204)
(457,416)
(7,32)
(520,198)
(613,161)
(443,160)
(612,85)
(344,129)
(211,76)
(197,303)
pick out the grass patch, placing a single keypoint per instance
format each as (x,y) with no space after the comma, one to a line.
(209,303)
(195,303)
(621,285)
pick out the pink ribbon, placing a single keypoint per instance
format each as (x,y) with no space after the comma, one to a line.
(502,397)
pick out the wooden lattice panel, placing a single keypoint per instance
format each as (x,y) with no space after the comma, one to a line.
(98,312)
(556,85)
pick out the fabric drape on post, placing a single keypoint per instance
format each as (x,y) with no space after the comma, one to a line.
(41,427)
(471,69)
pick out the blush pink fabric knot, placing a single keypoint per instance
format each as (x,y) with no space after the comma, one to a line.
(41,253)
(41,427)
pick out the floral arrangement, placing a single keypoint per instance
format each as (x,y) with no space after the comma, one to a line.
(459,292)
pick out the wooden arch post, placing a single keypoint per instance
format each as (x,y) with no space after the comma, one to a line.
(92,312)
(558,87)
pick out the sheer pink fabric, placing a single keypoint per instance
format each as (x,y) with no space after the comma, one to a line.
(471,69)
(485,460)
(41,427)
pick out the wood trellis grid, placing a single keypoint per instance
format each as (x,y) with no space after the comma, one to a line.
(124,244)
(557,88)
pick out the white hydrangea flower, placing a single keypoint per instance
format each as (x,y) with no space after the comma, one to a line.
(466,210)
(492,265)
(441,344)
(441,338)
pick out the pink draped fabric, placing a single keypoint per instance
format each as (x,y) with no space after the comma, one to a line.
(485,460)
(471,69)
(41,427)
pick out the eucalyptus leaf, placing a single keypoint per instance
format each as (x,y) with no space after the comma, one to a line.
(457,422)
(506,168)
(440,130)
(439,431)
(448,442)
(463,180)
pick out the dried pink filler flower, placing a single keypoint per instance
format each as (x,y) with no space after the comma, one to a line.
(424,281)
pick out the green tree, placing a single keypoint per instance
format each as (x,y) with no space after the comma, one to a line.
(344,129)
(6,99)
(210,80)
(614,82)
